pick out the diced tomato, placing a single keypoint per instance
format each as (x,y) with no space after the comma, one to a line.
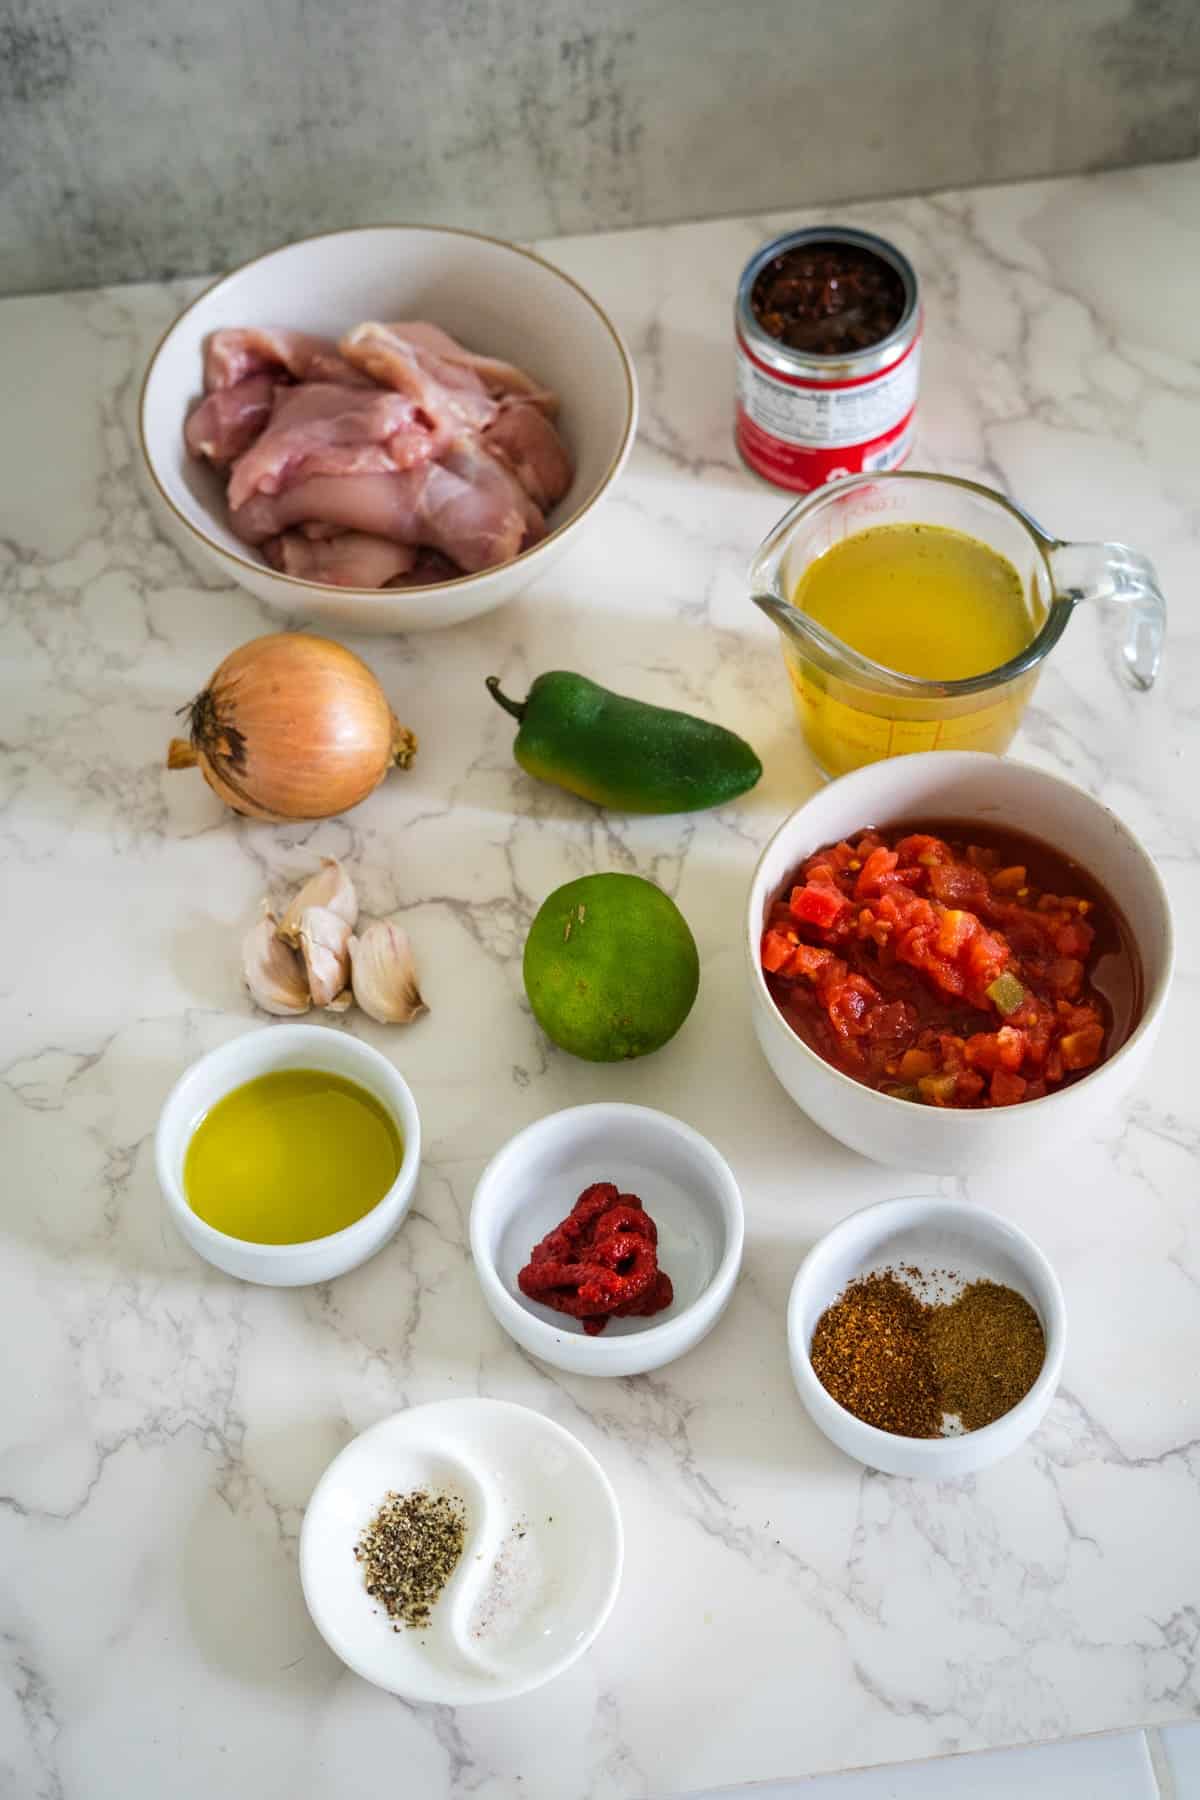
(955,931)
(889,1025)
(948,976)
(847,1008)
(917,912)
(915,947)
(1003,1049)
(779,918)
(1080,1049)
(957,884)
(807,960)
(1064,977)
(879,862)
(819,906)
(912,945)
(1036,1027)
(1074,938)
(919,847)
(1006,1088)
(777,946)
(821,874)
(986,956)
(830,978)
(1073,1017)
(938,970)
(901,881)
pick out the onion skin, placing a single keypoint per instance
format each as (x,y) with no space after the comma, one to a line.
(293,727)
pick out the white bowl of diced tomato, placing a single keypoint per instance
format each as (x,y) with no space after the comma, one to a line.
(955,958)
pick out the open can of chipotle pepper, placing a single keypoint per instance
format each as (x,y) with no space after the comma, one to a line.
(828,330)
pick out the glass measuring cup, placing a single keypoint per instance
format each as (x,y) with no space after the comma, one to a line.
(853,710)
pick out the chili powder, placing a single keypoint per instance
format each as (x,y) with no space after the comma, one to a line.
(906,1365)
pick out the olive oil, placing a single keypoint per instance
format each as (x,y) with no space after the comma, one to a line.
(291,1156)
(922,600)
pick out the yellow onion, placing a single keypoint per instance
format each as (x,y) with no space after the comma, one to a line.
(292,727)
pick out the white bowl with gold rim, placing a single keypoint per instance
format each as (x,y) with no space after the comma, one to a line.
(496,297)
(265,1051)
(964,787)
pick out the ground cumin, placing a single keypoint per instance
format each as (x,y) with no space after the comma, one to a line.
(907,1365)
(988,1350)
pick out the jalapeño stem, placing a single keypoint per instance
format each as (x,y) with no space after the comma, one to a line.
(515,707)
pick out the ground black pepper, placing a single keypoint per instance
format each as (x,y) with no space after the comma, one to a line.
(409,1551)
(906,1365)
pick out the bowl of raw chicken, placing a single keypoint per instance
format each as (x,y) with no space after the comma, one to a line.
(393,428)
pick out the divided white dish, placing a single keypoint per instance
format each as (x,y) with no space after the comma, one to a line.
(540,1569)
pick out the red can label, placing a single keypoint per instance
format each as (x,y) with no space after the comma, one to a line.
(800,433)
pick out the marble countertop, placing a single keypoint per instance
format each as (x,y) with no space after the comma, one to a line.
(783,1610)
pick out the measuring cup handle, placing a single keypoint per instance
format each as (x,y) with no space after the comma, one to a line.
(1115,572)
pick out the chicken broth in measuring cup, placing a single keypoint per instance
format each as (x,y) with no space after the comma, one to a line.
(928,605)
(921,600)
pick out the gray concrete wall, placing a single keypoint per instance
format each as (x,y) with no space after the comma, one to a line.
(176,136)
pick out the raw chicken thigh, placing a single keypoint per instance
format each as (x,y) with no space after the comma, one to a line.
(230,356)
(319,429)
(346,559)
(395,457)
(228,420)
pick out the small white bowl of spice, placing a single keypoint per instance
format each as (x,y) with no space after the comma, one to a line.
(462,1551)
(926,1337)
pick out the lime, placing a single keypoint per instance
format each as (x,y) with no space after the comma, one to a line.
(611,968)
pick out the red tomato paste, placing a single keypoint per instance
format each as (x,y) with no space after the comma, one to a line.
(601,1263)
(955,966)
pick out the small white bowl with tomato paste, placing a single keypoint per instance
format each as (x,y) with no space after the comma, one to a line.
(678,1180)
(956,960)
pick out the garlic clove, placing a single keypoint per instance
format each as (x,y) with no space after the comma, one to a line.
(385,975)
(273,973)
(330,887)
(342,1003)
(324,941)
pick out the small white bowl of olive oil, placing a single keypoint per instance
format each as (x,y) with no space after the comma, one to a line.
(289,1155)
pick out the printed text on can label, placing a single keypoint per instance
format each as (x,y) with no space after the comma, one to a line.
(829,416)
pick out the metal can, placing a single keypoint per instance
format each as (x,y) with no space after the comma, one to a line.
(805,418)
